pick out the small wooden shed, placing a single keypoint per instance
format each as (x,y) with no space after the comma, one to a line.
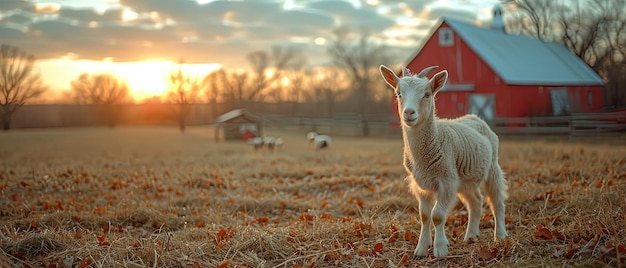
(238,124)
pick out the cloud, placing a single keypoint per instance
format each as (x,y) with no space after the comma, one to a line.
(8,5)
(16,18)
(215,31)
(87,15)
(353,17)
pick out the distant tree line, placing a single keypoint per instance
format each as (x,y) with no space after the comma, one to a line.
(280,75)
(594,30)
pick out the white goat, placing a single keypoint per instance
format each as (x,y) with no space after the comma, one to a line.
(446,158)
(318,141)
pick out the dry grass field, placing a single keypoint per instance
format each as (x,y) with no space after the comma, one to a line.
(152,197)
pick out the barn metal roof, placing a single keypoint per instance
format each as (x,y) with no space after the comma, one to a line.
(234,114)
(523,60)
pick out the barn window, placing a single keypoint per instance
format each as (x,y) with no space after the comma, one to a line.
(445,37)
(590,98)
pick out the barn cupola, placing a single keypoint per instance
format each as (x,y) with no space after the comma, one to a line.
(498,21)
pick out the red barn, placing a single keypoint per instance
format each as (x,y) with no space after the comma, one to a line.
(495,74)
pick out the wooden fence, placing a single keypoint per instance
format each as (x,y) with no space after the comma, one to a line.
(575,124)
(352,124)
(345,124)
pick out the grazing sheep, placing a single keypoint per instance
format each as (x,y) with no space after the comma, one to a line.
(270,143)
(446,158)
(256,142)
(279,143)
(318,141)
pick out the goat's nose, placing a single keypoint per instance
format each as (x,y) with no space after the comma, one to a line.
(408,113)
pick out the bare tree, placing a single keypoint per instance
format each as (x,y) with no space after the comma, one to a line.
(104,91)
(326,88)
(594,30)
(360,57)
(267,68)
(534,17)
(19,82)
(213,85)
(237,88)
(183,91)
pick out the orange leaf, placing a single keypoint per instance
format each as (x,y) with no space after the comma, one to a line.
(569,251)
(408,235)
(99,210)
(543,233)
(224,264)
(599,182)
(621,249)
(377,248)
(326,216)
(405,258)
(86,262)
(486,254)
(507,247)
(101,238)
(307,217)
(201,224)
(261,220)
(359,202)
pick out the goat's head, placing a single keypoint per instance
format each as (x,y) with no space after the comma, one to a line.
(415,93)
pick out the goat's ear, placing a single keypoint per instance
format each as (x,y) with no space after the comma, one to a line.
(390,77)
(439,80)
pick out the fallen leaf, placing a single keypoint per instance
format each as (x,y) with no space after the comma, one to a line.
(223,264)
(377,248)
(485,254)
(86,262)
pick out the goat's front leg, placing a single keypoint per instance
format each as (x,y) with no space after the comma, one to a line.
(445,199)
(426,203)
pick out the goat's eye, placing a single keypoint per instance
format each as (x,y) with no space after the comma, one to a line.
(427,94)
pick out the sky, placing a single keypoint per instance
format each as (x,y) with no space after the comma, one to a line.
(140,40)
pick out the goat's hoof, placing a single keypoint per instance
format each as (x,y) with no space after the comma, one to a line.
(500,235)
(420,252)
(441,251)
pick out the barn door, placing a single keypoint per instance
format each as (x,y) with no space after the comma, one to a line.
(482,105)
(560,101)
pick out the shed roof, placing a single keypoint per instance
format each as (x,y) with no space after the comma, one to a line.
(234,114)
(523,60)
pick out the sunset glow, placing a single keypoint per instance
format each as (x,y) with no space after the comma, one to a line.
(150,78)
(146,79)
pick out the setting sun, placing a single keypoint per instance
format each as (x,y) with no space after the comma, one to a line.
(150,78)
(146,79)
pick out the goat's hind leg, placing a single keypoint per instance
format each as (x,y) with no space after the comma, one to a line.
(472,198)
(496,186)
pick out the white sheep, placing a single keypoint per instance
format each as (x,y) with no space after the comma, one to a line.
(318,141)
(256,142)
(446,158)
(270,143)
(279,142)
